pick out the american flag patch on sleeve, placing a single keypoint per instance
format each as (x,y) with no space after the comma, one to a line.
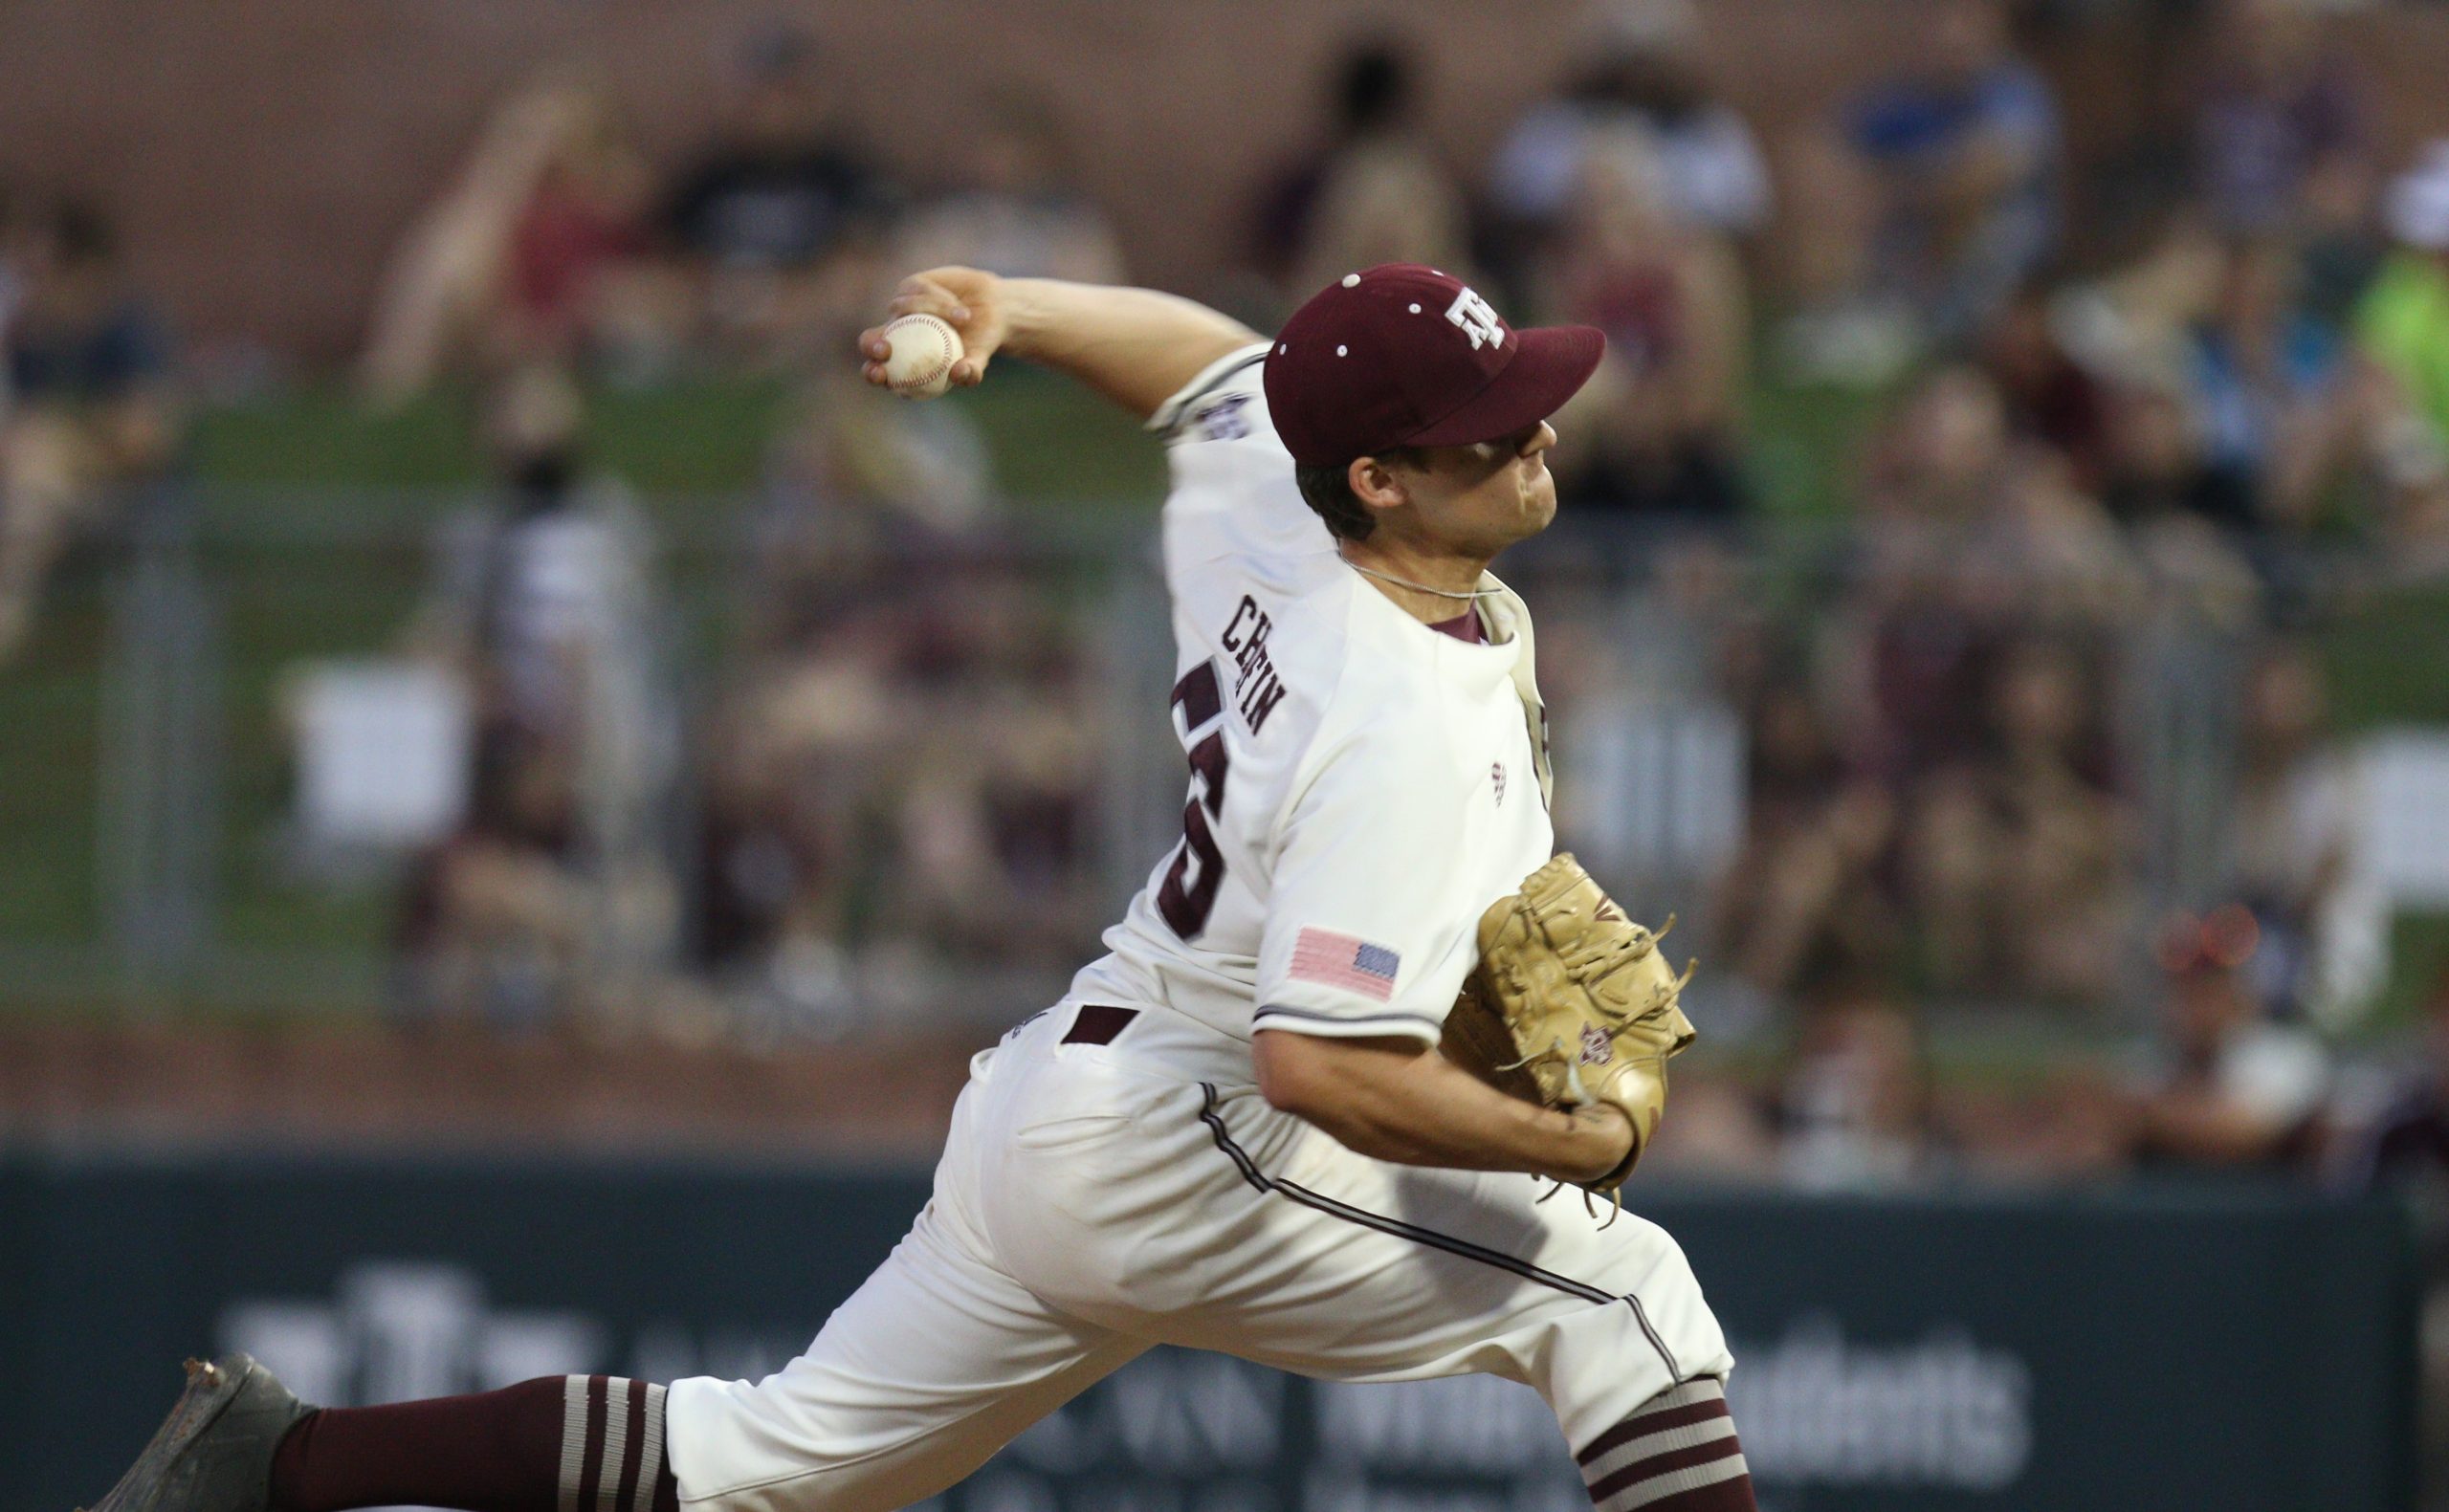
(1346,961)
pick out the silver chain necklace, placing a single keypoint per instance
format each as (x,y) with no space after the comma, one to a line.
(1473,595)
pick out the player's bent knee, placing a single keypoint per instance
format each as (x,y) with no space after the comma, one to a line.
(1677,1454)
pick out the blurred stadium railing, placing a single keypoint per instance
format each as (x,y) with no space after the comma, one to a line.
(297,749)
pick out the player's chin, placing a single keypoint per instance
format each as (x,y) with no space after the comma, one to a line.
(1539,504)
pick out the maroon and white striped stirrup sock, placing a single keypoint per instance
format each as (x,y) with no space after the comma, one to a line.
(1678,1454)
(612,1444)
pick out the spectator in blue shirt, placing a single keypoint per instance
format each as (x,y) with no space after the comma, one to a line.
(2266,382)
(90,409)
(1964,154)
(1642,65)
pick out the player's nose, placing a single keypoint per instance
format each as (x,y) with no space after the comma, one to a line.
(1543,435)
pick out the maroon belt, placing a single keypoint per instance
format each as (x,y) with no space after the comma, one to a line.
(1099,1023)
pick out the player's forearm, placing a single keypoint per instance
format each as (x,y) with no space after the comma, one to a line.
(1411,1106)
(1135,346)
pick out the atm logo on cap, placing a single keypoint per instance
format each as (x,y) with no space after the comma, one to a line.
(1477,320)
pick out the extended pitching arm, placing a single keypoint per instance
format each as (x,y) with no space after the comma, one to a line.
(1135,346)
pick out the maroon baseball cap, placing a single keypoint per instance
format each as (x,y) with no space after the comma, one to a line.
(1405,356)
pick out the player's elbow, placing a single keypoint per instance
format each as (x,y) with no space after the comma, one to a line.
(1346,1086)
(1288,1071)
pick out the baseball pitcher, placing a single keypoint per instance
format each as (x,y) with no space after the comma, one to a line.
(1358,1021)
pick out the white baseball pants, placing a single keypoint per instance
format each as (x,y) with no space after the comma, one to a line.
(1096,1199)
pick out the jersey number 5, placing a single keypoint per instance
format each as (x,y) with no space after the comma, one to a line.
(1188,894)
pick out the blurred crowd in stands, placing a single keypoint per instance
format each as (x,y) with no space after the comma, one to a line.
(2117,433)
(88,412)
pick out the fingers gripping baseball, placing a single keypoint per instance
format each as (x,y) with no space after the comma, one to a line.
(970,301)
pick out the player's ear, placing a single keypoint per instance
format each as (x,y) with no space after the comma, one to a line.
(1375,483)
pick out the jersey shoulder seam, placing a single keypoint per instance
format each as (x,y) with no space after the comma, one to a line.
(1166,422)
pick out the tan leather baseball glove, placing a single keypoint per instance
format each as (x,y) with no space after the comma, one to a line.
(1573,1004)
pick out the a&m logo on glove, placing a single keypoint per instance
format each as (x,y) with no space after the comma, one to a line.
(1596,1049)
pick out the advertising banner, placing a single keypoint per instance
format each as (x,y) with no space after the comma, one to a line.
(2245,1348)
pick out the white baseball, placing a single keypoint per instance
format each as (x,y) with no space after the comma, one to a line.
(924,350)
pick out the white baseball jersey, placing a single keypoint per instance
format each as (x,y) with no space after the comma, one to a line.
(1362,786)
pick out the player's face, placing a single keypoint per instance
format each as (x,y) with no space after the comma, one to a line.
(1477,500)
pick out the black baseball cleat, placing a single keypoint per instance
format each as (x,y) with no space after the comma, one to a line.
(214,1452)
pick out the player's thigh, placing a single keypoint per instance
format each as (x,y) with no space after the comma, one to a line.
(1339,1265)
(934,1363)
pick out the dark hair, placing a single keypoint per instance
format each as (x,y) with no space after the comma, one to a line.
(1329,491)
